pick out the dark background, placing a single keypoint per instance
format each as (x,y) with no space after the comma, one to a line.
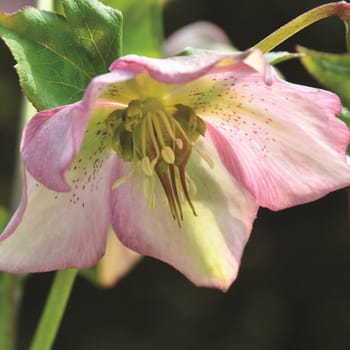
(293,290)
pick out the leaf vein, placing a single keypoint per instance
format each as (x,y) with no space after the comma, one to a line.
(66,58)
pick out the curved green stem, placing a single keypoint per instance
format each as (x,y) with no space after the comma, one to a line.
(340,9)
(54,309)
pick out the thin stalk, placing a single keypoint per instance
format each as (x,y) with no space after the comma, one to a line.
(52,315)
(340,9)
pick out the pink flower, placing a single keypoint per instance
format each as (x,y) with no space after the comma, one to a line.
(13,6)
(176,155)
(201,35)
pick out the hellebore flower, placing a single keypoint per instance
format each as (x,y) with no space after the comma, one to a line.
(176,155)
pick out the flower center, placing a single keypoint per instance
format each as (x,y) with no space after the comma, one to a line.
(161,138)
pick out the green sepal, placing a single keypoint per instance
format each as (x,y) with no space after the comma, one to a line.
(331,70)
(57,55)
(142,26)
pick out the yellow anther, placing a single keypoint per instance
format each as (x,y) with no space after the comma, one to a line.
(168,155)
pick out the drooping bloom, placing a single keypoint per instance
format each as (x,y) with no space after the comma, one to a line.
(176,155)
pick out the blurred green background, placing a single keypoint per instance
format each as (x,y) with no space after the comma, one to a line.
(293,290)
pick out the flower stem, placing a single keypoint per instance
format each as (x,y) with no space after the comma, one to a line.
(340,9)
(10,296)
(54,309)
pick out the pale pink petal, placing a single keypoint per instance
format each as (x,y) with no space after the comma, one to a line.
(52,230)
(49,144)
(281,141)
(53,138)
(206,248)
(176,70)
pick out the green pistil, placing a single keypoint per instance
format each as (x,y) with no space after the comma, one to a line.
(161,138)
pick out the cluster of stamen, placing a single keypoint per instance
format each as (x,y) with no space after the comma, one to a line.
(161,138)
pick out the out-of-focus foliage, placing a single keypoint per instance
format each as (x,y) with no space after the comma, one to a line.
(143,26)
(331,70)
(4,217)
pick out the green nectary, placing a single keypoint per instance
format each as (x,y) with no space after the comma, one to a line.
(161,138)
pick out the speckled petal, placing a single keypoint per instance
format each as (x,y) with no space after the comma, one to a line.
(52,230)
(41,148)
(53,138)
(281,141)
(206,248)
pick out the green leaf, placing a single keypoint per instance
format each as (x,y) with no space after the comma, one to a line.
(347,31)
(275,57)
(188,51)
(57,55)
(331,70)
(143,26)
(4,218)
(345,117)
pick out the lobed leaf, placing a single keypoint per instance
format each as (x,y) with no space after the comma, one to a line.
(58,55)
(330,70)
(275,57)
